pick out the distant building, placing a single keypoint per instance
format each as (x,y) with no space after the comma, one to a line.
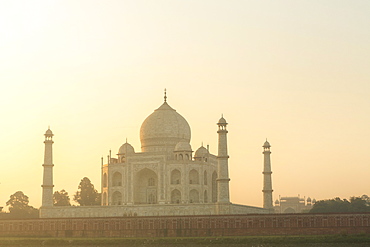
(165,178)
(289,205)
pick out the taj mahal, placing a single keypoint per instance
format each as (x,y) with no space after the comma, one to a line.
(165,178)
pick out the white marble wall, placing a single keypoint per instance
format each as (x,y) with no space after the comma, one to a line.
(148,210)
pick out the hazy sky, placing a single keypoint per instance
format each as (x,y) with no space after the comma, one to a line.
(296,72)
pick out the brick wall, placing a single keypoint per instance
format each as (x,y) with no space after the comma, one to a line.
(186,226)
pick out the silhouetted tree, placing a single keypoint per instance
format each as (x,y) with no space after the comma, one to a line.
(98,199)
(366,198)
(2,214)
(358,204)
(86,194)
(337,205)
(61,198)
(19,208)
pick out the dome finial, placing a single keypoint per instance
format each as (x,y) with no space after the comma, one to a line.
(165,95)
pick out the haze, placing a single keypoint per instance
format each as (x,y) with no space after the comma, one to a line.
(295,72)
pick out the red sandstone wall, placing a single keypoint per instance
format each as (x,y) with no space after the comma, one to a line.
(184,226)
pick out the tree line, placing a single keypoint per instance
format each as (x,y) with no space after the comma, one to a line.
(19,207)
(358,204)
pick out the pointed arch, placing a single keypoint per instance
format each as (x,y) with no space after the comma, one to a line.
(289,211)
(116,198)
(117,179)
(175,196)
(194,196)
(193,177)
(145,187)
(175,177)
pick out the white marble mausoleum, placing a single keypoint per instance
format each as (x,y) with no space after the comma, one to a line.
(165,178)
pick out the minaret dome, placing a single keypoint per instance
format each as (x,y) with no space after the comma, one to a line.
(266,144)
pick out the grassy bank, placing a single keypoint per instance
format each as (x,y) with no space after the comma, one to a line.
(261,241)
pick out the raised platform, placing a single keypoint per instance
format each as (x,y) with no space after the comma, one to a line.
(149,210)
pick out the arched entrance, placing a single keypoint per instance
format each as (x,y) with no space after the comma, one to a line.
(145,187)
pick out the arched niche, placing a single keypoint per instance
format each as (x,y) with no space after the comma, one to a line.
(116,198)
(175,196)
(117,179)
(193,177)
(175,177)
(289,211)
(145,187)
(194,196)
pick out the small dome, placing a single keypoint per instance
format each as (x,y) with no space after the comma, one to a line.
(49,133)
(266,144)
(309,199)
(314,201)
(277,202)
(183,146)
(222,121)
(201,152)
(126,148)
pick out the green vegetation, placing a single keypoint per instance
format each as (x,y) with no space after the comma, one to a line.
(61,198)
(86,194)
(261,241)
(19,208)
(337,205)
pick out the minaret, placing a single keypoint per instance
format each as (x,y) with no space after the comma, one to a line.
(267,184)
(47,186)
(223,166)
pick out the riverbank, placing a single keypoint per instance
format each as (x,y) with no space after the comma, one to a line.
(247,241)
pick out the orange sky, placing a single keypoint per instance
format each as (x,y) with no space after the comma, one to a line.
(294,72)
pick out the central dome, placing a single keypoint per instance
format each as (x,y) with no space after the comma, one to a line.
(163,129)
